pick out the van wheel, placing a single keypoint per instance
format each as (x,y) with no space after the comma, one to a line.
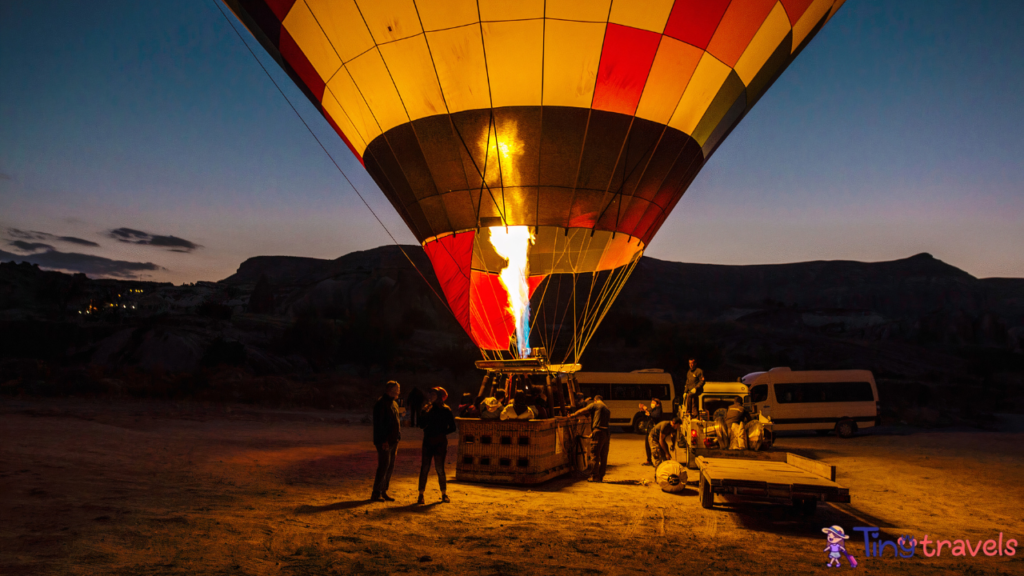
(846,428)
(641,425)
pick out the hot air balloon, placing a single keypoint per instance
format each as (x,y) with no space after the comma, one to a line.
(534,148)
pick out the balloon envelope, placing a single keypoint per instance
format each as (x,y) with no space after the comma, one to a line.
(583,120)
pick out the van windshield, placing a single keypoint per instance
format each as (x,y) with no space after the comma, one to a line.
(713,403)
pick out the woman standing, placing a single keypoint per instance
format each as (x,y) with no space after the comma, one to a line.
(437,422)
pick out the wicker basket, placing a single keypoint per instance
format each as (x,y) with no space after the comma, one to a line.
(517,451)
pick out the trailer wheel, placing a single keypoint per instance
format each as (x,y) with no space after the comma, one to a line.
(707,498)
(846,428)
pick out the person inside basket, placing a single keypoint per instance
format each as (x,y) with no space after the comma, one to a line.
(490,408)
(437,422)
(468,409)
(518,409)
(539,403)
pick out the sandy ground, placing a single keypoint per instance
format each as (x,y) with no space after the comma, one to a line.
(133,488)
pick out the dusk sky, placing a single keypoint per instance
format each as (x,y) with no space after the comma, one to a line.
(141,139)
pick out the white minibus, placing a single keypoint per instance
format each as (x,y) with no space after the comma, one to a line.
(823,400)
(624,391)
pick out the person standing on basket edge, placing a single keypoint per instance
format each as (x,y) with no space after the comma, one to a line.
(599,440)
(387,432)
(437,422)
(694,385)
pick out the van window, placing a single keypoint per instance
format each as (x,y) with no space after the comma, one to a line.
(638,392)
(759,393)
(591,390)
(823,392)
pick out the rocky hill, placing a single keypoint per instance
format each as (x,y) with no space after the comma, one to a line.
(944,345)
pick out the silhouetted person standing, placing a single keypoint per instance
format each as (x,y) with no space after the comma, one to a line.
(437,422)
(599,439)
(413,404)
(387,431)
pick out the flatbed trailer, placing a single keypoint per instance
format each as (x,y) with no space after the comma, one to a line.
(778,477)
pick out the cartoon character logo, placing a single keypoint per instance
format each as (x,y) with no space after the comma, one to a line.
(837,546)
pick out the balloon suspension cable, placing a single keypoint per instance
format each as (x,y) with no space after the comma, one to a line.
(331,157)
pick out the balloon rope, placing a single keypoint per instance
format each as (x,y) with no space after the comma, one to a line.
(333,161)
(620,282)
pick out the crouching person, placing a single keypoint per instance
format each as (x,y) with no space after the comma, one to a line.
(660,439)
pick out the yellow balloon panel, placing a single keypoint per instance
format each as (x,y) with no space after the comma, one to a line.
(303,28)
(643,14)
(497,10)
(585,10)
(772,32)
(390,20)
(444,14)
(458,56)
(700,92)
(337,112)
(374,83)
(413,72)
(514,52)
(572,53)
(341,21)
(345,93)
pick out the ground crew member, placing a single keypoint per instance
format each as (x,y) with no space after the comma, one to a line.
(736,413)
(694,384)
(660,438)
(599,440)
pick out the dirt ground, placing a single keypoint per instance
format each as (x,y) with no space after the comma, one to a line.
(157,488)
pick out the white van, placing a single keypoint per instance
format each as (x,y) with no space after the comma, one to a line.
(624,391)
(840,400)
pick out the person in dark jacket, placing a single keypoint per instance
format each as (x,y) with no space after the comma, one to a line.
(387,432)
(413,405)
(599,440)
(437,422)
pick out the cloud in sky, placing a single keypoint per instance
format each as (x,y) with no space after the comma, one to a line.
(172,243)
(30,235)
(31,246)
(6,176)
(85,263)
